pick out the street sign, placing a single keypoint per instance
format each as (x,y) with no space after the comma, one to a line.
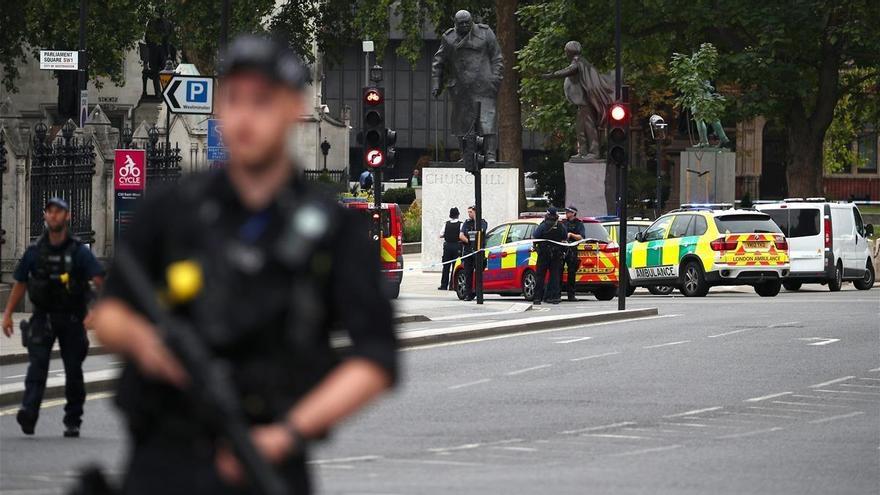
(375,158)
(59,59)
(129,181)
(216,148)
(83,107)
(190,94)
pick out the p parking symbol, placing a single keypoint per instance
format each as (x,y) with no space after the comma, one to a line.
(196,91)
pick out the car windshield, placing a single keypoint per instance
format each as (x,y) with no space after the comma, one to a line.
(747,224)
(796,222)
(596,232)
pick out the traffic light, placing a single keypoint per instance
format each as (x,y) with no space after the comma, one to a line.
(618,135)
(390,150)
(373,134)
(474,152)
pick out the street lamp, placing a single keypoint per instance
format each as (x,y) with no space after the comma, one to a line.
(658,133)
(126,137)
(165,76)
(325,149)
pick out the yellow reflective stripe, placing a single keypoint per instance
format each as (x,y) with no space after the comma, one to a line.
(704,251)
(509,261)
(389,249)
(670,252)
(639,255)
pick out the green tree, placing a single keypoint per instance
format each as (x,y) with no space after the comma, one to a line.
(785,60)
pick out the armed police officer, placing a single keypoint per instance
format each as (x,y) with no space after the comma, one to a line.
(469,240)
(261,267)
(57,272)
(570,262)
(549,257)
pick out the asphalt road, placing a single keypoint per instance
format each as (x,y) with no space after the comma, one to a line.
(726,394)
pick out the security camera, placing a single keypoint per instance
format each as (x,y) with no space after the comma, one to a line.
(657,124)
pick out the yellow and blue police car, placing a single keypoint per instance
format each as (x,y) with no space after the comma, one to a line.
(697,247)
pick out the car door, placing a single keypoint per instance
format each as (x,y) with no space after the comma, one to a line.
(493,276)
(515,255)
(647,253)
(678,242)
(861,251)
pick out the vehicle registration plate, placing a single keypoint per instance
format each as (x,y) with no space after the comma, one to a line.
(754,245)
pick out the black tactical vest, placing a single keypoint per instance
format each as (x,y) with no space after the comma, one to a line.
(54,285)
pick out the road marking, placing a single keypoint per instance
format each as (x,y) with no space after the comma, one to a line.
(832,382)
(870,394)
(645,451)
(594,356)
(443,450)
(808,404)
(874,370)
(517,449)
(828,397)
(58,402)
(666,344)
(833,418)
(436,461)
(872,379)
(347,459)
(570,341)
(819,340)
(597,428)
(784,409)
(779,325)
(750,433)
(695,411)
(694,425)
(859,386)
(611,435)
(765,397)
(732,333)
(468,384)
(768,415)
(526,370)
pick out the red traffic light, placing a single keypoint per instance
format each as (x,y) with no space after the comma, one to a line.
(618,112)
(374,158)
(372,97)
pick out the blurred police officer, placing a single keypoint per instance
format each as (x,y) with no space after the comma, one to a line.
(57,272)
(549,257)
(468,239)
(281,266)
(575,232)
(451,245)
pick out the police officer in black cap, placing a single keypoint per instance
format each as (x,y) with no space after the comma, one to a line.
(273,266)
(549,257)
(468,239)
(576,231)
(57,272)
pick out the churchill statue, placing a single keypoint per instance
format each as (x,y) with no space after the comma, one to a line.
(592,93)
(468,65)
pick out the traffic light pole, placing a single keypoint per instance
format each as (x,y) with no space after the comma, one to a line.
(622,270)
(478,211)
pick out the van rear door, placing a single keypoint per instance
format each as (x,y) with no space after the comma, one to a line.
(802,226)
(845,240)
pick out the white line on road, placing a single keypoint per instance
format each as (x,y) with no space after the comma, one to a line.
(732,332)
(871,379)
(832,382)
(785,324)
(828,397)
(467,446)
(869,394)
(781,416)
(859,386)
(594,356)
(645,451)
(611,435)
(833,418)
(517,449)
(785,409)
(347,459)
(570,341)
(526,370)
(468,384)
(436,461)
(58,402)
(597,428)
(666,344)
(693,425)
(765,397)
(808,404)
(875,370)
(750,433)
(695,411)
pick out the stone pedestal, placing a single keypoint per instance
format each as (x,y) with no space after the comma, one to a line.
(707,175)
(446,184)
(589,187)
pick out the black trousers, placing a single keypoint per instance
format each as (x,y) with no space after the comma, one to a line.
(570,263)
(469,264)
(451,250)
(548,260)
(68,329)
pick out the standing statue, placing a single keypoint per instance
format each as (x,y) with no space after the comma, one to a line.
(690,75)
(592,92)
(470,56)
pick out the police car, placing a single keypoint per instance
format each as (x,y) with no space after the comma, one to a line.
(696,247)
(633,227)
(511,258)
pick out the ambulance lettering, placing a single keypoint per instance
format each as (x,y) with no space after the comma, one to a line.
(667,271)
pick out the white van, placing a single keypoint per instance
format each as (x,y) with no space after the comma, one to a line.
(827,242)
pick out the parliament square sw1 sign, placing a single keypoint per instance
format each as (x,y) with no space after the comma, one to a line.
(59,59)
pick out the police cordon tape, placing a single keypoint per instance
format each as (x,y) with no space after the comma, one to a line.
(508,244)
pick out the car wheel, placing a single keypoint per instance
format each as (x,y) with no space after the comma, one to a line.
(791,286)
(528,285)
(835,283)
(769,288)
(660,290)
(461,288)
(630,288)
(868,281)
(693,282)
(605,293)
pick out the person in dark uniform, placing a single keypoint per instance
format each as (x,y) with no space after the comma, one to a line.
(549,257)
(468,239)
(279,266)
(576,231)
(57,272)
(451,245)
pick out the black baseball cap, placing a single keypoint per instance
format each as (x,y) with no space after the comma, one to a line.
(269,57)
(552,211)
(60,203)
(571,209)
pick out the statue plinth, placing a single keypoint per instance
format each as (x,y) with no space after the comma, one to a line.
(589,186)
(707,175)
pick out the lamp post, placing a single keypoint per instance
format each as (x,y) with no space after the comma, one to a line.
(325,149)
(126,137)
(165,76)
(658,133)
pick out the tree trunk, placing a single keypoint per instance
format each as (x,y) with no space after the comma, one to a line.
(509,113)
(804,171)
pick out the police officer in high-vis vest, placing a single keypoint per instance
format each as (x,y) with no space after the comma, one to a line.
(57,272)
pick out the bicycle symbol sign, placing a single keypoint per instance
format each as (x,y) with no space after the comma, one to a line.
(130,169)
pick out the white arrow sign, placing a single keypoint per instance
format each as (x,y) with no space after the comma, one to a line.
(190,94)
(819,340)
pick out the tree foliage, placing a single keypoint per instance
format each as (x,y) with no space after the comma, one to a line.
(691,76)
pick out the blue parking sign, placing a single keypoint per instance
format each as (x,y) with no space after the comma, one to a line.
(216,148)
